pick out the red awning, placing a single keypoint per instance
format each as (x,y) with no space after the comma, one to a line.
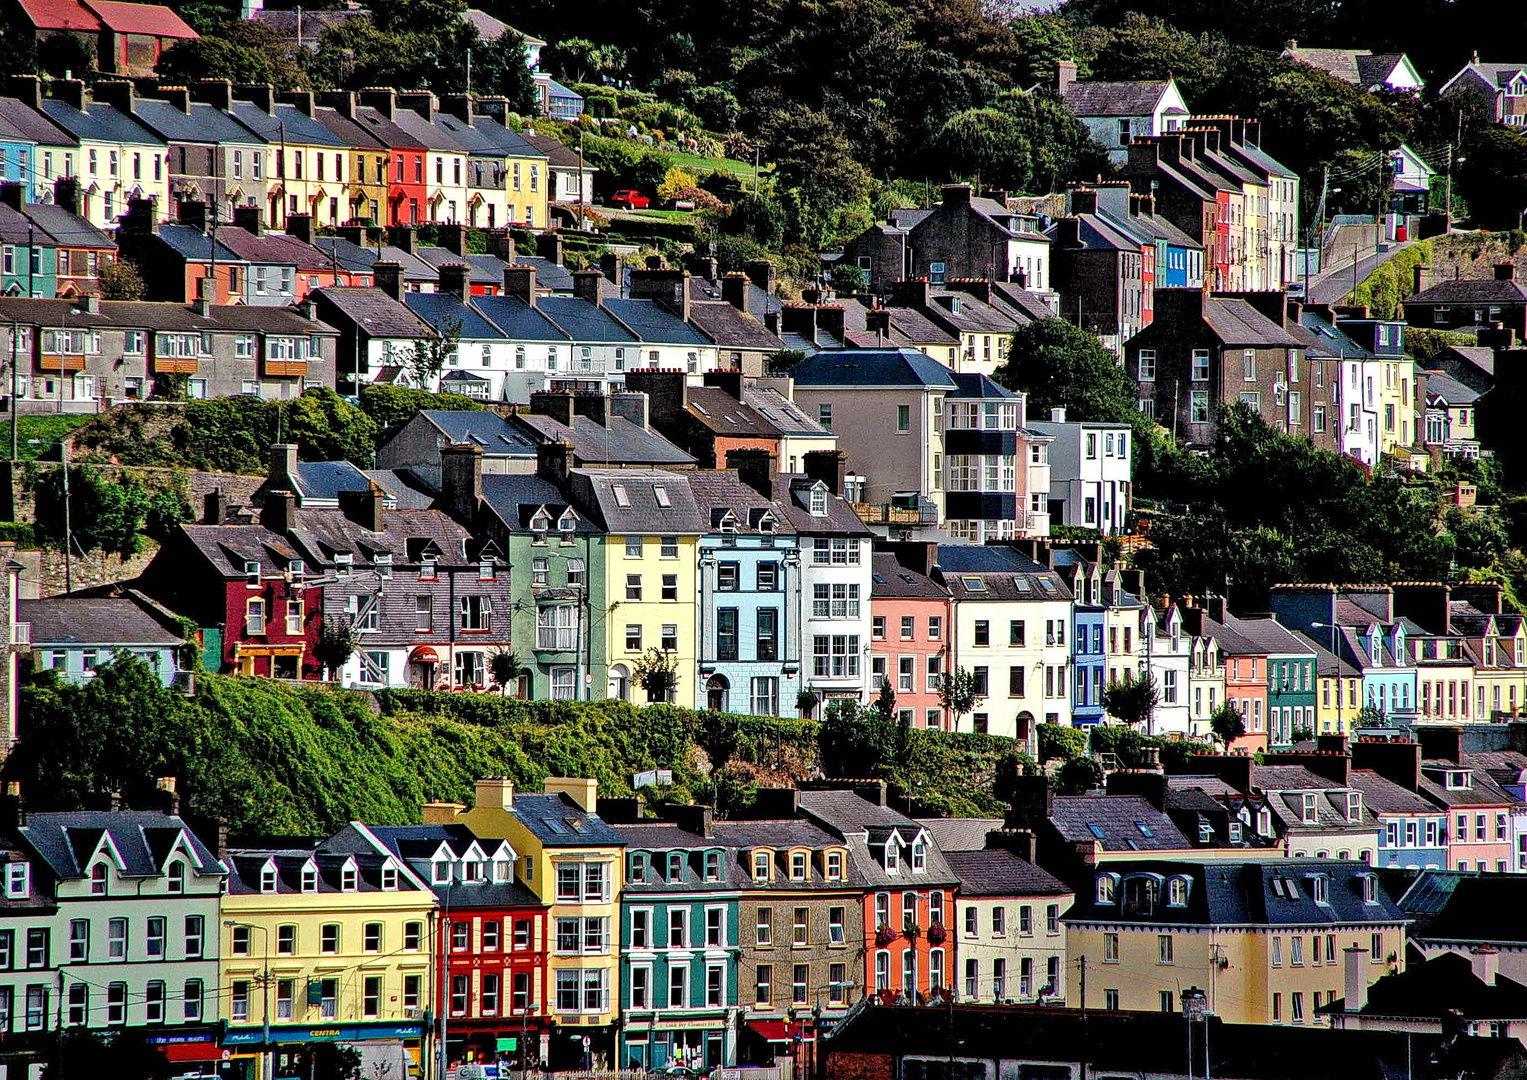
(424,655)
(192,1051)
(781,1031)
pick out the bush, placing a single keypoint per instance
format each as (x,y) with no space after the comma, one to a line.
(391,406)
(1061,742)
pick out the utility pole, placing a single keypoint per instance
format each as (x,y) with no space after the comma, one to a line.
(15,382)
(1083,1002)
(582,183)
(63,453)
(1451,151)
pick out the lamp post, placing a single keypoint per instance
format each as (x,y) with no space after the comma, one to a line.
(266,1065)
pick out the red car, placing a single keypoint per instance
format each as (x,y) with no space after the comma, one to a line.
(630,200)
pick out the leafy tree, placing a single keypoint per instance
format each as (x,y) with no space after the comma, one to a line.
(1146,47)
(885,702)
(391,406)
(1132,700)
(427,357)
(657,672)
(675,180)
(118,515)
(1043,40)
(1077,776)
(501,67)
(847,279)
(120,280)
(987,143)
(1227,724)
(1058,364)
(1065,743)
(582,60)
(327,427)
(245,52)
(505,668)
(957,692)
(816,170)
(66,54)
(337,642)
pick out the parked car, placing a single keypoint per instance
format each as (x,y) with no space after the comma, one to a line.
(630,200)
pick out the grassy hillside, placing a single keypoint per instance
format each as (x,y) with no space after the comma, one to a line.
(276,758)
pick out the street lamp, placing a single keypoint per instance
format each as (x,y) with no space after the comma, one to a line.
(266,1064)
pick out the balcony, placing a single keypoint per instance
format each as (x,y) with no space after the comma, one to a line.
(886,514)
(64,362)
(283,368)
(175,365)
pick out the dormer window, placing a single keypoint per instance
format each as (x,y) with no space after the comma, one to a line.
(310,878)
(427,568)
(675,866)
(760,866)
(1205,833)
(713,866)
(389,879)
(296,569)
(1370,887)
(834,866)
(892,858)
(567,524)
(471,870)
(818,502)
(349,879)
(1320,889)
(384,565)
(268,878)
(485,570)
(1264,823)
(1459,780)
(503,871)
(1235,832)
(1310,811)
(919,857)
(639,868)
(797,866)
(440,872)
(175,877)
(540,524)
(343,563)
(251,572)
(1354,806)
(1107,888)
(1177,892)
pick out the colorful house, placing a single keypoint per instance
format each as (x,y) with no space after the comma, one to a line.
(909,632)
(571,861)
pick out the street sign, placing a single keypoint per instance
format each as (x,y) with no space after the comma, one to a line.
(509,1045)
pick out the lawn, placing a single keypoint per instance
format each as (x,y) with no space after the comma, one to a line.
(39,433)
(743,170)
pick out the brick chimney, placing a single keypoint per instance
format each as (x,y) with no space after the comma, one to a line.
(262,95)
(756,467)
(383,99)
(1399,762)
(389,277)
(459,106)
(28,88)
(586,285)
(1441,743)
(299,226)
(118,93)
(191,213)
(520,282)
(452,237)
(761,272)
(1484,595)
(554,460)
(215,507)
(1420,274)
(734,290)
(1233,769)
(828,466)
(556,404)
(1065,76)
(910,293)
(215,92)
(1424,601)
(799,319)
(418,101)
(670,287)
(730,381)
(341,101)
(66,194)
(403,237)
(667,396)
(1505,271)
(454,278)
(364,508)
(461,480)
(279,512)
(956,194)
(632,408)
(549,247)
(13,195)
(831,320)
(1084,201)
(250,219)
(69,91)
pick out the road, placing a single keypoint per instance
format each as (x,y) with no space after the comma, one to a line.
(1333,284)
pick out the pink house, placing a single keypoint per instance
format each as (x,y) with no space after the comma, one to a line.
(909,635)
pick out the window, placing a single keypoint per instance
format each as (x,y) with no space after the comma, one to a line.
(286,940)
(670,586)
(329,938)
(116,939)
(763,989)
(633,586)
(801,927)
(154,937)
(195,932)
(191,1000)
(1200,365)
(1164,949)
(765,926)
(371,937)
(1110,948)
(800,981)
(678,986)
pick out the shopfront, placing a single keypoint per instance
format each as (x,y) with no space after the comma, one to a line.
(387,1051)
(196,1052)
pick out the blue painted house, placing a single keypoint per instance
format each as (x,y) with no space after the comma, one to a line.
(1412,828)
(679,941)
(74,635)
(747,624)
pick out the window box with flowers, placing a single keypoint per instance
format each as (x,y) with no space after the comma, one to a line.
(911,930)
(936,934)
(884,935)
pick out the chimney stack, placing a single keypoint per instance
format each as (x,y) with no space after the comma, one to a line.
(461,480)
(520,282)
(828,466)
(586,285)
(1355,990)
(364,508)
(299,226)
(1065,76)
(454,279)
(1505,271)
(554,461)
(389,277)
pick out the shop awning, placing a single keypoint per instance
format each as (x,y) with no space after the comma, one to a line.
(780,1031)
(424,655)
(202,1051)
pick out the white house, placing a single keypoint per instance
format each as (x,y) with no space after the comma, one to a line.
(1116,113)
(1091,473)
(1167,650)
(1360,67)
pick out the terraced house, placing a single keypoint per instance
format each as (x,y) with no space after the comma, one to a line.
(132,937)
(571,860)
(680,941)
(321,944)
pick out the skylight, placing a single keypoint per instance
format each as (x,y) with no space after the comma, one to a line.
(1095,830)
(974,584)
(622,499)
(661,495)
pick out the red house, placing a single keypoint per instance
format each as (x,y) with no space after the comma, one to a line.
(128,38)
(491,941)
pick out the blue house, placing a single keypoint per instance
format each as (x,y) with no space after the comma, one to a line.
(74,635)
(747,625)
(1412,828)
(679,941)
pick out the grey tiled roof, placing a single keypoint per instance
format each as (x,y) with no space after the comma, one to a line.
(794,503)
(514,499)
(1119,818)
(416,843)
(1114,98)
(866,827)
(404,488)
(143,838)
(324,480)
(780,411)
(717,491)
(730,328)
(890,579)
(485,428)
(999,872)
(872,367)
(1236,322)
(618,440)
(960,834)
(994,572)
(653,322)
(375,313)
(1471,291)
(558,822)
(632,501)
(107,621)
(1385,796)
(725,415)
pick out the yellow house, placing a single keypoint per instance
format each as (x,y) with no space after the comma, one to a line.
(1339,694)
(653,525)
(322,947)
(1269,943)
(572,861)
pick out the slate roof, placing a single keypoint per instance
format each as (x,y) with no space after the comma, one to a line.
(783,413)
(653,322)
(1090,98)
(583,321)
(514,499)
(1471,291)
(273,248)
(1434,988)
(193,245)
(1022,304)
(1482,792)
(794,502)
(1244,894)
(730,328)
(482,269)
(891,580)
(34,125)
(725,415)
(1236,322)
(351,256)
(618,440)
(718,490)
(976,385)
(405,490)
(66,841)
(203,124)
(998,872)
(1448,389)
(439,309)
(1119,819)
(872,367)
(288,121)
(125,621)
(632,501)
(489,430)
(1454,906)
(1502,766)
(247,866)
(414,844)
(661,838)
(322,481)
(960,834)
(558,822)
(375,313)
(70,230)
(1003,574)
(549,275)
(865,826)
(518,320)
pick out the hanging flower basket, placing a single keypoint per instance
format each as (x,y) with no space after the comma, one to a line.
(936,934)
(884,935)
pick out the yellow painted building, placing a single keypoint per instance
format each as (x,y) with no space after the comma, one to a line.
(572,861)
(325,946)
(1268,942)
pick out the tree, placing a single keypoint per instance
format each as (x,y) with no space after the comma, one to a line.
(816,170)
(675,180)
(885,702)
(337,641)
(657,672)
(505,667)
(986,143)
(501,67)
(1227,724)
(117,515)
(120,280)
(1078,776)
(581,60)
(1065,743)
(245,52)
(1132,700)
(326,427)
(1060,365)
(847,279)
(957,693)
(427,357)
